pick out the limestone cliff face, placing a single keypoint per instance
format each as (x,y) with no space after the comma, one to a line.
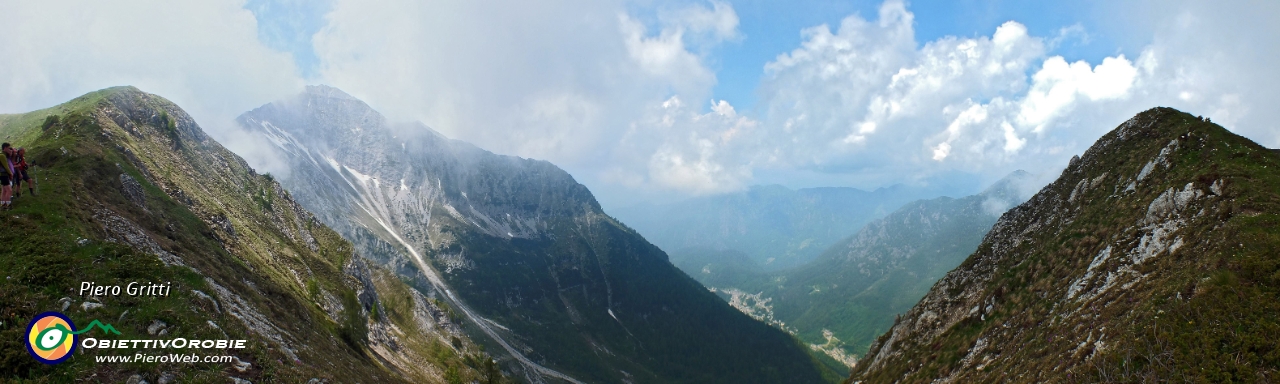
(522,250)
(1152,257)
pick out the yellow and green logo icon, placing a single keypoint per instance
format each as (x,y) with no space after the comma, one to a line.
(52,337)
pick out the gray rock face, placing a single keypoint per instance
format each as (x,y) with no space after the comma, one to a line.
(405,201)
(516,246)
(133,190)
(121,230)
(395,197)
(365,293)
(348,162)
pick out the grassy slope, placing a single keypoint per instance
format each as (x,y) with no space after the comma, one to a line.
(232,227)
(1205,313)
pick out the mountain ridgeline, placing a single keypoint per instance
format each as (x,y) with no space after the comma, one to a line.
(1153,258)
(850,294)
(558,289)
(774,227)
(132,190)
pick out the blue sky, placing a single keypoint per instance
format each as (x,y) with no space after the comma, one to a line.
(645,100)
(772,27)
(288,26)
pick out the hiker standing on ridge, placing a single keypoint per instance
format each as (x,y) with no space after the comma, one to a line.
(20,174)
(6,177)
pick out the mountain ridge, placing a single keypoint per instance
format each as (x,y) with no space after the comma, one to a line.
(1154,244)
(131,185)
(544,270)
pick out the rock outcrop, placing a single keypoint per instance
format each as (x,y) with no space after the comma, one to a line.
(1151,258)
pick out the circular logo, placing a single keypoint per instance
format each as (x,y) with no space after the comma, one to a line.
(50,339)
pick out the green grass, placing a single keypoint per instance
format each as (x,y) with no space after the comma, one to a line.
(44,260)
(192,186)
(1205,313)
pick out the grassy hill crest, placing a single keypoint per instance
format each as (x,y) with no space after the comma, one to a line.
(131,189)
(1154,257)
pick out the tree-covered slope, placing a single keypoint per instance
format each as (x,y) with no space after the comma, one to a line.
(1154,257)
(850,294)
(131,190)
(561,290)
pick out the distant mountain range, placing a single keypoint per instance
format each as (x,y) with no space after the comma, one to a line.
(556,287)
(1152,258)
(772,226)
(851,293)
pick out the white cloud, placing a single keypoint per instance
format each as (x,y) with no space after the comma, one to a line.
(205,56)
(1011,141)
(865,100)
(709,25)
(697,174)
(690,151)
(812,89)
(665,56)
(941,151)
(1057,85)
(586,91)
(518,78)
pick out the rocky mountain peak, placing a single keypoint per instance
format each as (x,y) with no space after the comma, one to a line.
(132,186)
(1108,273)
(1010,183)
(519,248)
(326,91)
